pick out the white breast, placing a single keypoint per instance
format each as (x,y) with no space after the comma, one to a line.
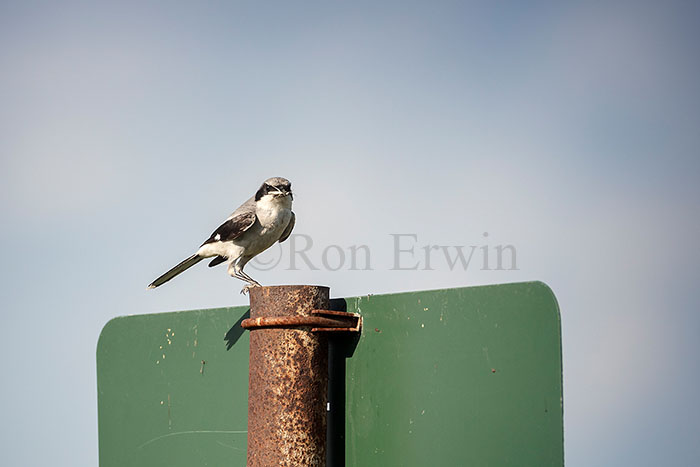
(272,212)
(273,215)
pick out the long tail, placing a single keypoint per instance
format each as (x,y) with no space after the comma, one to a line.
(186,264)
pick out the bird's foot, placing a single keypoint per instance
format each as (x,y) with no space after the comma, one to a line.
(246,288)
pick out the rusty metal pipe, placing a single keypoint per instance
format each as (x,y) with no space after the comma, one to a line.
(287,388)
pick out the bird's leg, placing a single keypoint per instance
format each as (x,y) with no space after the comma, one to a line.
(236,270)
(251,282)
(247,278)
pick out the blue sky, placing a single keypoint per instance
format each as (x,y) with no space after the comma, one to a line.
(129,130)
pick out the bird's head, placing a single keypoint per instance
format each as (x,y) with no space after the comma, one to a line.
(276,187)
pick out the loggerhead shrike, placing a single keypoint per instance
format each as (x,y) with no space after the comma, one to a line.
(254,227)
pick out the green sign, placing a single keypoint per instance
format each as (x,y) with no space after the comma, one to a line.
(455,377)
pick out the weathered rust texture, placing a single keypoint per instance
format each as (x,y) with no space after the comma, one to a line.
(288,379)
(332,321)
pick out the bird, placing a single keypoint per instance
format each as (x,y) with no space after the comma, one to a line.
(264,219)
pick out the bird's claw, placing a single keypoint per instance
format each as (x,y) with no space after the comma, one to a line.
(246,288)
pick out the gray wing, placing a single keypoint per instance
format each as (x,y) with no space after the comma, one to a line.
(245,208)
(287,231)
(240,221)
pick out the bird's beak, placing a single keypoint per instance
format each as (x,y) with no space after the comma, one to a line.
(283,193)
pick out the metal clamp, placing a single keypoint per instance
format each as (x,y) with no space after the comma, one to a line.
(320,321)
